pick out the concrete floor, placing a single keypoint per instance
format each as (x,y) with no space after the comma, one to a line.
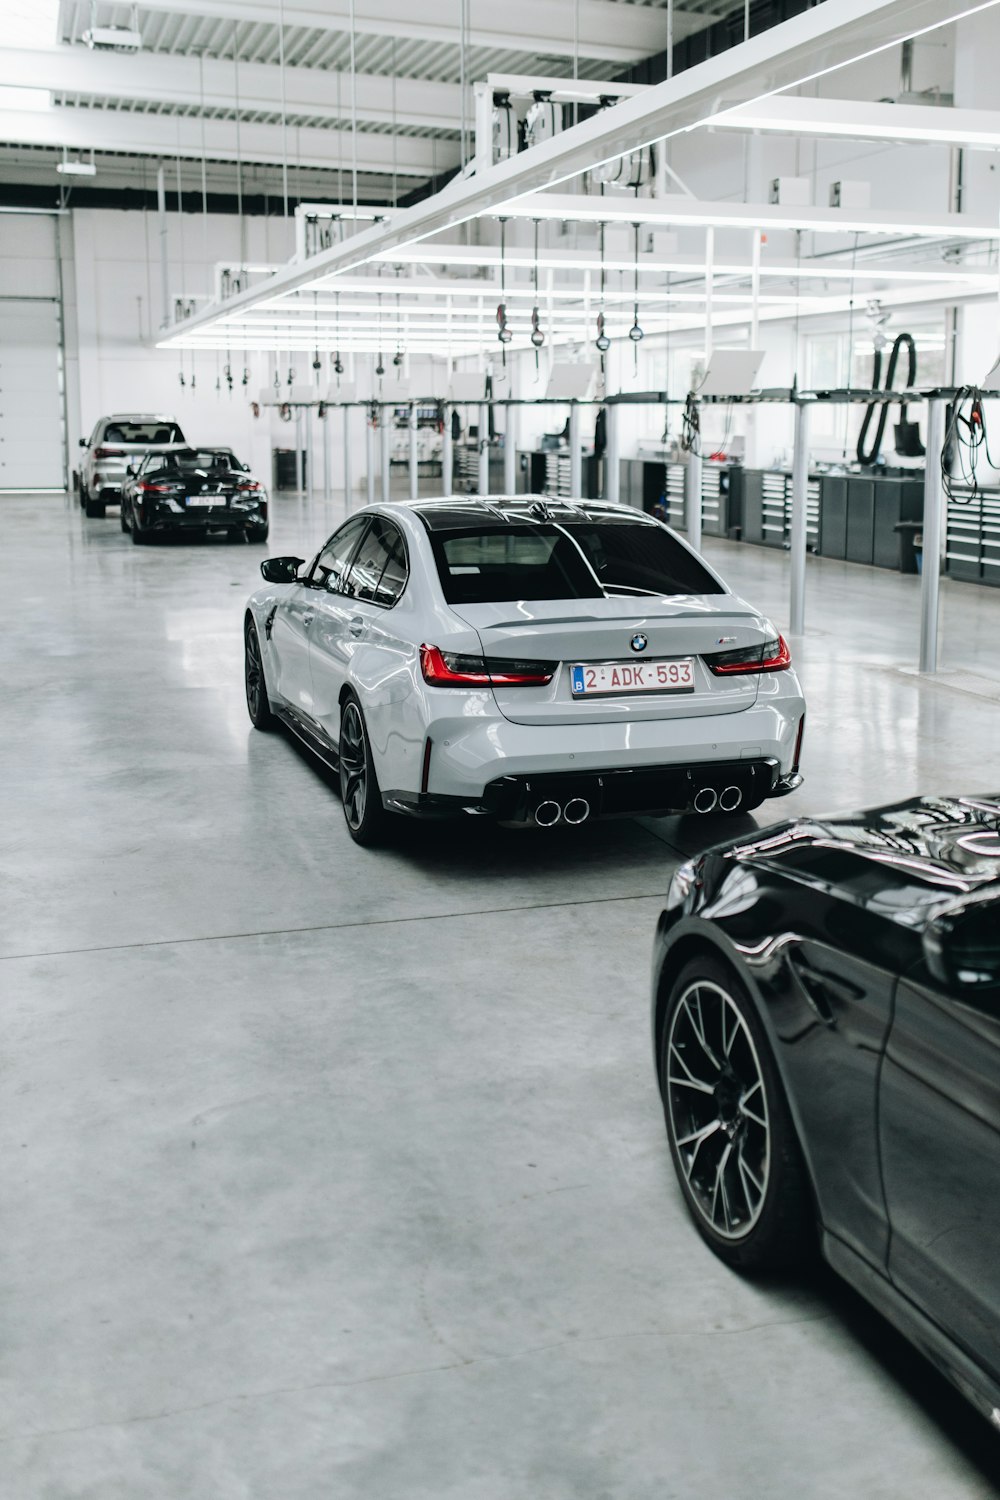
(339,1174)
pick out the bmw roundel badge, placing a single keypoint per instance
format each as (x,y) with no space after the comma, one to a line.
(639,642)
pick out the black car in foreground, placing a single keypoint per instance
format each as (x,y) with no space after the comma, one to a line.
(826,1026)
(193,490)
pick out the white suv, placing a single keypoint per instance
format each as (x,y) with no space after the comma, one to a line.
(115,443)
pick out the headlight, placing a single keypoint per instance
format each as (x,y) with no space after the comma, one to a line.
(681,885)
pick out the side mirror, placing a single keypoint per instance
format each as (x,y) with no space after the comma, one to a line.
(130,469)
(962,946)
(281,569)
(83,442)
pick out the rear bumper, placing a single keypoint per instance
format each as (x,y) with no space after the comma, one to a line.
(205,520)
(505,770)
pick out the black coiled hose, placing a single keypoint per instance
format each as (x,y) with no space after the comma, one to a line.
(903,341)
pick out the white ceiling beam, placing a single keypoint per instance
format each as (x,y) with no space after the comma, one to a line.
(809,45)
(169,136)
(923,124)
(678,212)
(165,78)
(616,33)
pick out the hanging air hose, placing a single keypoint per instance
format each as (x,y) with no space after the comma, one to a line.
(907,433)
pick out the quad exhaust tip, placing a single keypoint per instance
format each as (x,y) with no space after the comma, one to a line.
(577,810)
(705,799)
(547,814)
(730,798)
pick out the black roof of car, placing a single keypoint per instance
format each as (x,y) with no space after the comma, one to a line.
(468,513)
(949,842)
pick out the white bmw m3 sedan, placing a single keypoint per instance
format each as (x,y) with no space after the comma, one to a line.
(536,660)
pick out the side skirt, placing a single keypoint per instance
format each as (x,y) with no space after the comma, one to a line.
(960,1368)
(317,743)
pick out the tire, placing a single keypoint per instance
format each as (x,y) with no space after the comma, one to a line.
(259,536)
(121,516)
(367,820)
(138,536)
(732,1139)
(236,536)
(94,508)
(258,703)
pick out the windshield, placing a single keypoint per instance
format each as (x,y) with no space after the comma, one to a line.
(192,460)
(585,559)
(142,432)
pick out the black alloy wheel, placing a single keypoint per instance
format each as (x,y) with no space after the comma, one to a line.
(360,794)
(258,703)
(731,1136)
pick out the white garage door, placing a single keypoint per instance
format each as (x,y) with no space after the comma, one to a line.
(32,441)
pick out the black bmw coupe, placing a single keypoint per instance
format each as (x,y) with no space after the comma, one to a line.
(826,1026)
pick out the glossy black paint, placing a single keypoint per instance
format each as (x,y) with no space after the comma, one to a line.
(888,1048)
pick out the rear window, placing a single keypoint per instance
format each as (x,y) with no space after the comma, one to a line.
(143,432)
(512,562)
(630,558)
(566,560)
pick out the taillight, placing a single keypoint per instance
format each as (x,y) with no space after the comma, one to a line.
(449,669)
(154,489)
(770,656)
(109,452)
(249,484)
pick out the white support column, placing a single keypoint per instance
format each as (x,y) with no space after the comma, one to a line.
(369,457)
(612,456)
(326,452)
(447,454)
(692,500)
(414,471)
(299,484)
(575,454)
(799,536)
(348,476)
(750,456)
(385,428)
(709,292)
(310,477)
(161,210)
(935,527)
(484,450)
(510,452)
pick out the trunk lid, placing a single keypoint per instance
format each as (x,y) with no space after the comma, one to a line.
(600,630)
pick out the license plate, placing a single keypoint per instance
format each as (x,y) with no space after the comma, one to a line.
(590,680)
(204,500)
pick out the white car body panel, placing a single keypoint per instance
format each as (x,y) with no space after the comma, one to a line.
(317,645)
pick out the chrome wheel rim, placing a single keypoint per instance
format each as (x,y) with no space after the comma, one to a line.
(717,1106)
(254,672)
(353,766)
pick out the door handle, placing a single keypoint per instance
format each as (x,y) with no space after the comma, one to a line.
(307,619)
(356,625)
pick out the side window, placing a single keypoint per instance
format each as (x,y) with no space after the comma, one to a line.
(379,572)
(330,569)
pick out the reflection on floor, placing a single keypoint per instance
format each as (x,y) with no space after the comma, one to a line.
(340,1174)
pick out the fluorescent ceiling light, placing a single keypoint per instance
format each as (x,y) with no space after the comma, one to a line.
(858,121)
(461,255)
(688,212)
(33,100)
